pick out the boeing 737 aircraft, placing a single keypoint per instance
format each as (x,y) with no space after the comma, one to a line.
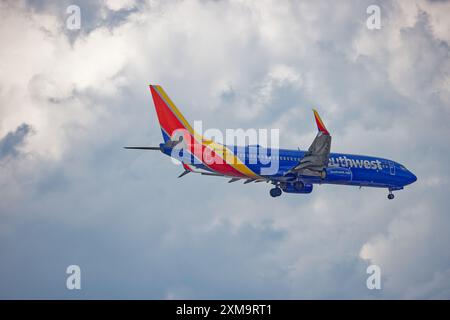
(296,171)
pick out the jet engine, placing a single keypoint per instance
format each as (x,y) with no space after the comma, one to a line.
(338,174)
(297,187)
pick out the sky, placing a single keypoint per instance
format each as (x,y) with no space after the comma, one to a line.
(70,195)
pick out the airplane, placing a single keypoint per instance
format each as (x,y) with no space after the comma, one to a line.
(296,171)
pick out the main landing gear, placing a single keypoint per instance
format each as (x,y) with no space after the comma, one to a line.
(275,192)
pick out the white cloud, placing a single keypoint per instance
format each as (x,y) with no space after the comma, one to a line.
(117,5)
(43,74)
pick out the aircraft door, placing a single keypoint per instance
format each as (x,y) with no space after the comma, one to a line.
(392,168)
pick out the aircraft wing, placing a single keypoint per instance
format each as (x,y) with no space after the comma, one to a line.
(316,158)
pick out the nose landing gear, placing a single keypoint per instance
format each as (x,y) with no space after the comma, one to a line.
(393,188)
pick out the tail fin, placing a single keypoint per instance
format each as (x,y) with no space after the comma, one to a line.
(169,117)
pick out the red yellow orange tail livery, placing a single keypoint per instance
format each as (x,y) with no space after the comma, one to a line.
(220,159)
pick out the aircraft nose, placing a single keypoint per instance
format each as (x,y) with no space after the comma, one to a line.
(411,177)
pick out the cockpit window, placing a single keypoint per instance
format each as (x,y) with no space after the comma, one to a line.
(403,168)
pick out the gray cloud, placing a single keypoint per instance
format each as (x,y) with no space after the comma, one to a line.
(10,143)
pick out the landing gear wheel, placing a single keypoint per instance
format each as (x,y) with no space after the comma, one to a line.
(275,192)
(323,174)
(390,196)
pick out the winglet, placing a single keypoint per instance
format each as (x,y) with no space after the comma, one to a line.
(319,123)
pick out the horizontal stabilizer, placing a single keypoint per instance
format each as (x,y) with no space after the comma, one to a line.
(185,172)
(143,148)
(212,174)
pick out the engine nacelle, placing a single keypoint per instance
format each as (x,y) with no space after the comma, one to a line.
(297,187)
(338,174)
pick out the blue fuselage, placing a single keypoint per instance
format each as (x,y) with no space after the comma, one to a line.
(343,169)
(364,170)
